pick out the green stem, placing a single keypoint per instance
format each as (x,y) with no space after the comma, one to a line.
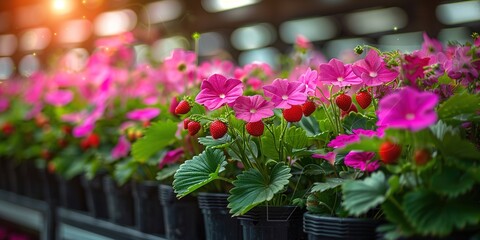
(225,179)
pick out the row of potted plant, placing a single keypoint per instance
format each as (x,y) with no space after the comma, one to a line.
(387,139)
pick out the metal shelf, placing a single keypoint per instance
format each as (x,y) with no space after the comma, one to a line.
(30,213)
(73,225)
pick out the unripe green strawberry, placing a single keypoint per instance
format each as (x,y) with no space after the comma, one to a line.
(193,128)
(183,107)
(255,128)
(308,108)
(343,101)
(389,152)
(293,114)
(363,99)
(218,129)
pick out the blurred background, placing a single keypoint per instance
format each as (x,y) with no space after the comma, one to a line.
(35,32)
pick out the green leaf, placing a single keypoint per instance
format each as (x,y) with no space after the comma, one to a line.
(457,105)
(431,214)
(395,215)
(296,137)
(460,152)
(365,144)
(328,184)
(158,136)
(198,171)
(271,145)
(124,171)
(358,120)
(361,196)
(311,126)
(394,185)
(452,182)
(445,79)
(252,188)
(440,129)
(323,202)
(167,172)
(208,141)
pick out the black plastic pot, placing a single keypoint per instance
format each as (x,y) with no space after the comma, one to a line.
(219,223)
(182,217)
(279,223)
(34,181)
(119,202)
(3,174)
(321,227)
(148,210)
(72,194)
(51,185)
(17,175)
(95,196)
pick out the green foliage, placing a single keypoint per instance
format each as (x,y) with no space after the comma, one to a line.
(167,172)
(208,141)
(324,202)
(252,187)
(198,171)
(358,120)
(365,144)
(330,183)
(361,196)
(311,126)
(456,109)
(158,136)
(271,143)
(124,171)
(431,214)
(452,182)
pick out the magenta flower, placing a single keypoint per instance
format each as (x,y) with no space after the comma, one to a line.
(171,157)
(252,108)
(84,128)
(430,46)
(4,104)
(408,109)
(338,74)
(342,140)
(309,80)
(145,114)
(413,67)
(59,98)
(217,90)
(121,149)
(329,157)
(373,70)
(361,160)
(284,94)
(303,42)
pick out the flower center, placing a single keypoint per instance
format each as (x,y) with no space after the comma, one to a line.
(222,96)
(253,110)
(285,97)
(373,74)
(410,116)
(340,79)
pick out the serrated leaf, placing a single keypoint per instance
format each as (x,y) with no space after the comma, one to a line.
(167,172)
(357,120)
(395,215)
(456,105)
(460,152)
(452,182)
(158,136)
(252,188)
(361,196)
(311,126)
(296,137)
(328,184)
(198,171)
(431,214)
(209,141)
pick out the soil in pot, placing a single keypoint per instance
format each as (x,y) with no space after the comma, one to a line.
(182,217)
(148,210)
(322,227)
(279,223)
(72,194)
(219,223)
(119,202)
(95,196)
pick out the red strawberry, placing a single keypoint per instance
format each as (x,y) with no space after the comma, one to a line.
(352,108)
(193,128)
(67,130)
(255,128)
(363,99)
(92,141)
(293,114)
(183,107)
(389,152)
(146,124)
(343,101)
(45,154)
(186,121)
(308,108)
(421,156)
(218,129)
(7,128)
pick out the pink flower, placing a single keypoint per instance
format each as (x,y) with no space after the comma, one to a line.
(59,98)
(171,157)
(303,42)
(121,149)
(4,104)
(309,80)
(414,67)
(430,46)
(373,70)
(173,104)
(84,128)
(215,66)
(362,161)
(145,114)
(255,83)
(284,94)
(330,157)
(252,108)
(338,74)
(365,132)
(408,109)
(218,90)
(342,140)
